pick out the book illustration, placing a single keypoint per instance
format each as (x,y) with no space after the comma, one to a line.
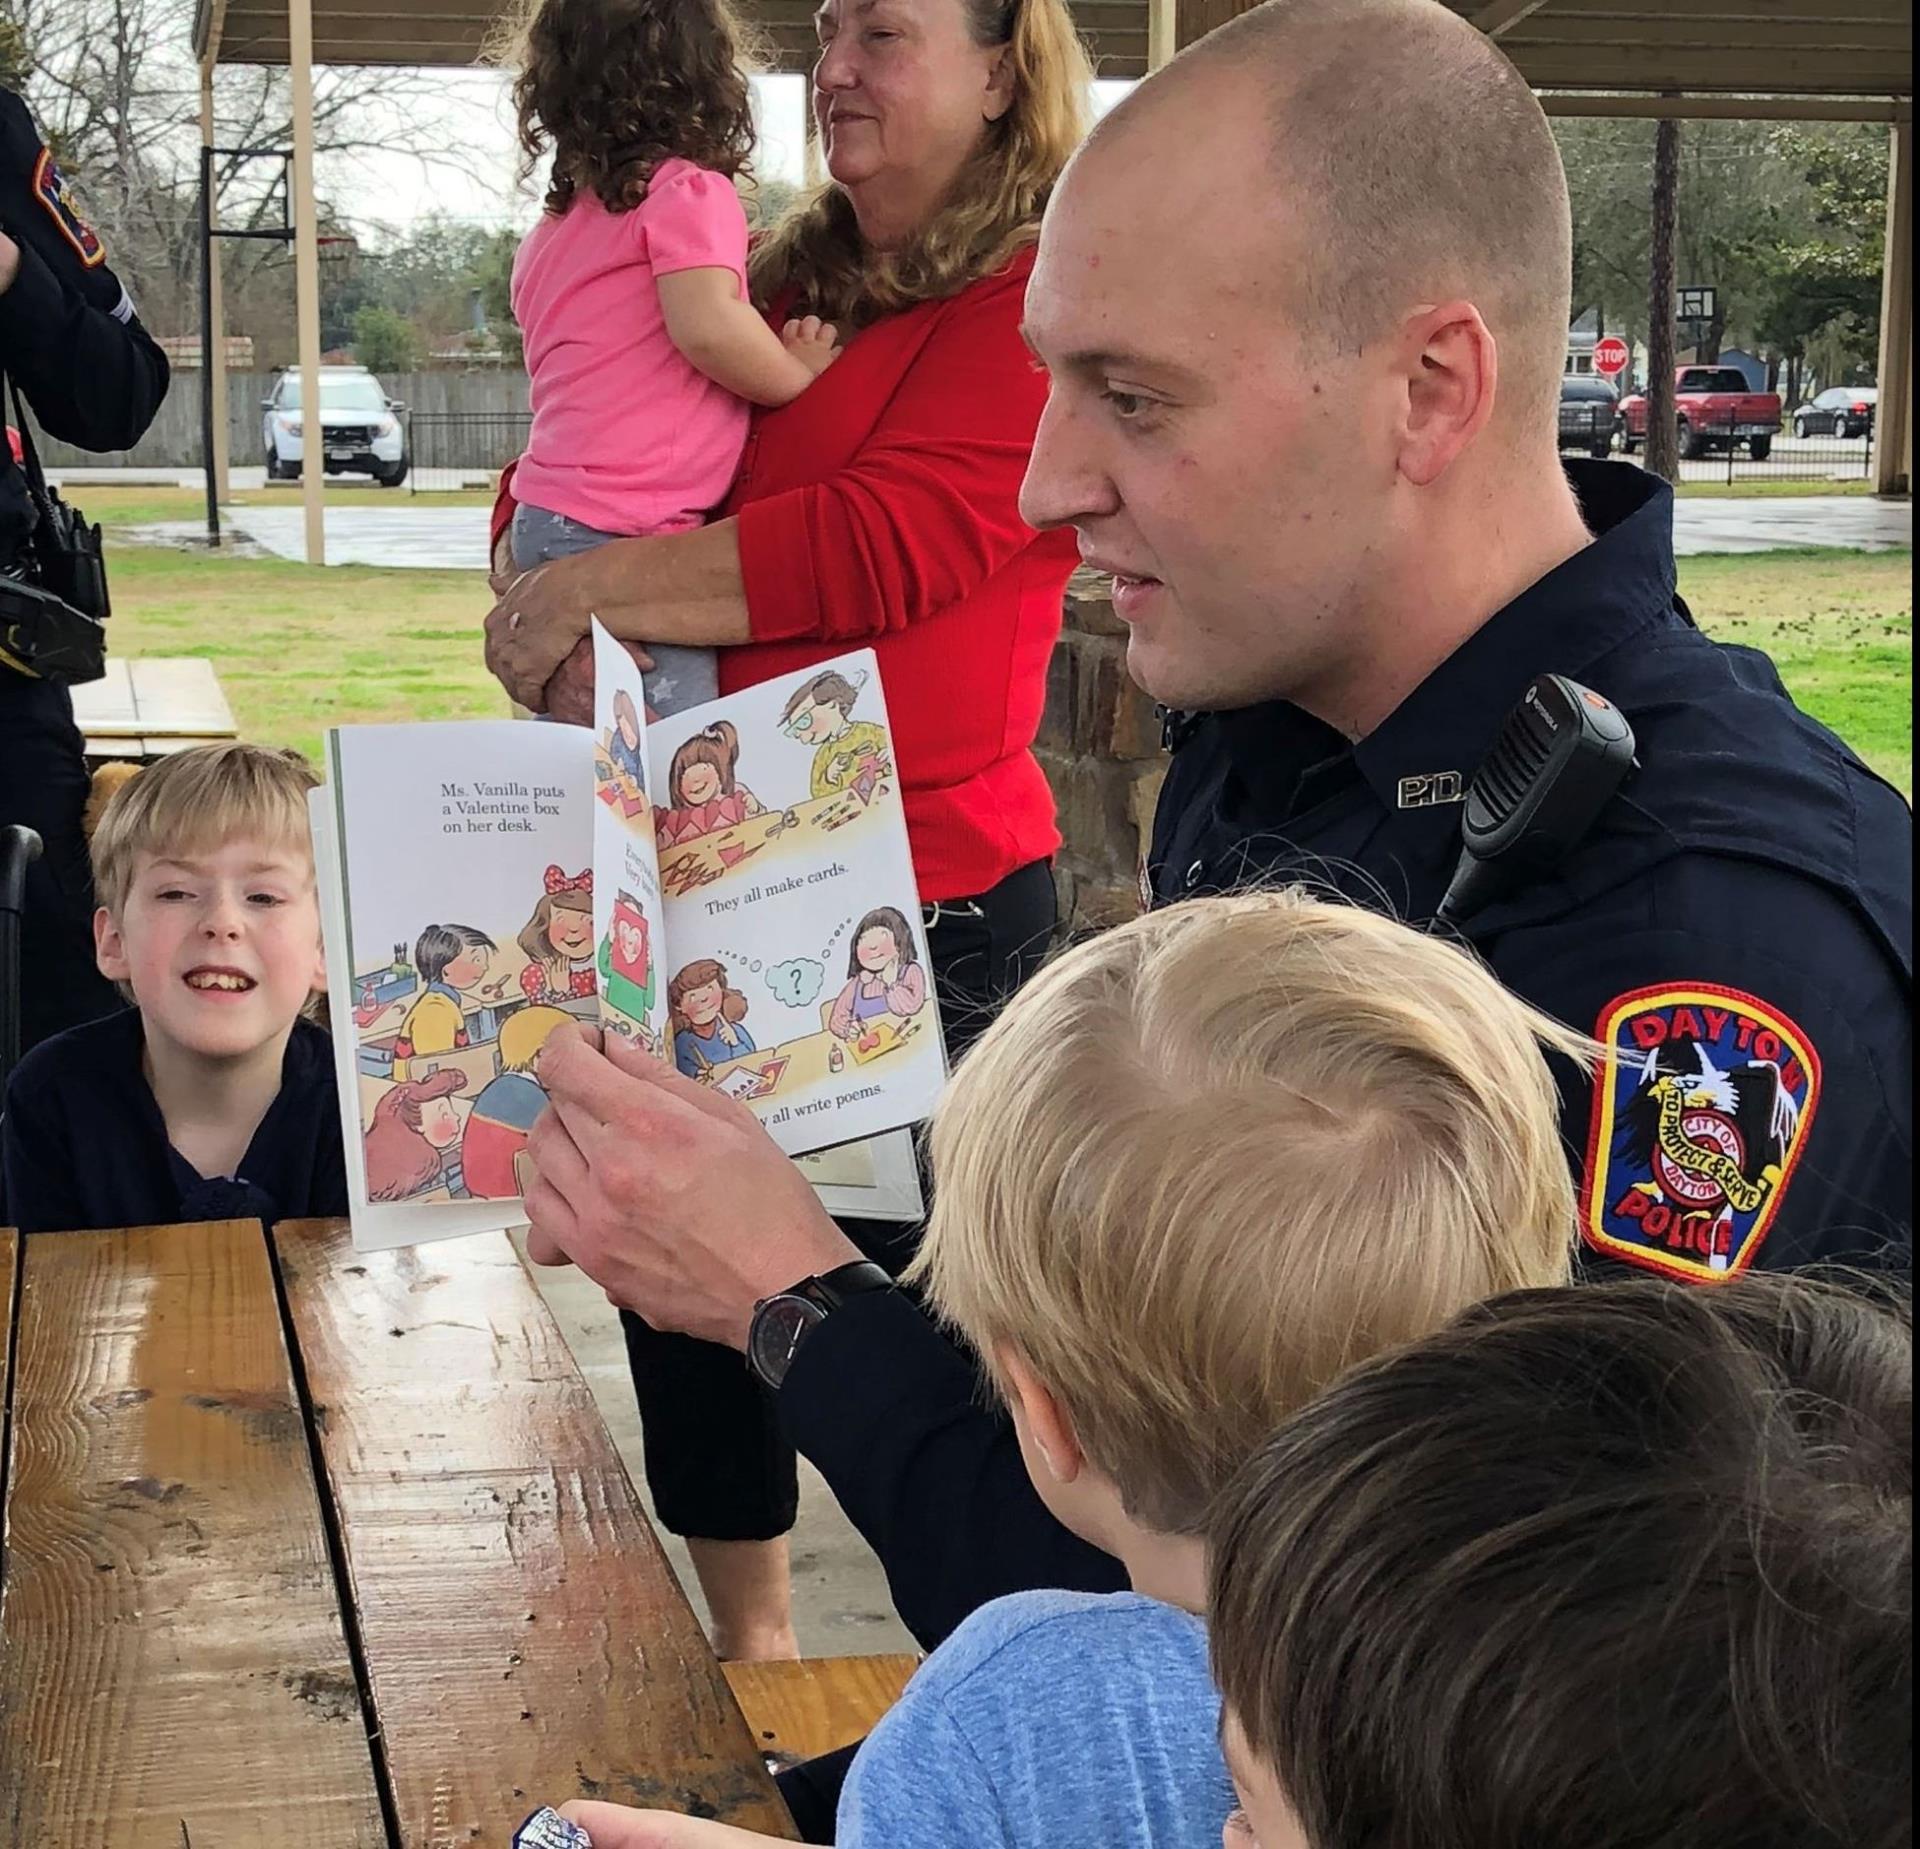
(558,941)
(619,761)
(628,919)
(480,894)
(816,770)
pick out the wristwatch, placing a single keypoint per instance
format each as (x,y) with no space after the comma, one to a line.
(783,1321)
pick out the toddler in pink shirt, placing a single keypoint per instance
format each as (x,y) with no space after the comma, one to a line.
(644,353)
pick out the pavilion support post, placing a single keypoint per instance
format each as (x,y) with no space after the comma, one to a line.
(1163,26)
(306,279)
(1893,422)
(1194,19)
(213,331)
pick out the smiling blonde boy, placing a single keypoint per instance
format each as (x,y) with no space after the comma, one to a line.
(210,1097)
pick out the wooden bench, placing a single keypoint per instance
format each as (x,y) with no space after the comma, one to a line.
(152,706)
(314,1549)
(803,1709)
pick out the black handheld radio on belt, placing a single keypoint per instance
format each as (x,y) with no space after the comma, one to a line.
(1562,752)
(53,597)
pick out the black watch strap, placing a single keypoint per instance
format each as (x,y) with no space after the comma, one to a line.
(832,1288)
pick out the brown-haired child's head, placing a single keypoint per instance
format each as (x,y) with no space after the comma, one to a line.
(615,87)
(1205,1162)
(702,769)
(698,995)
(1624,1563)
(203,865)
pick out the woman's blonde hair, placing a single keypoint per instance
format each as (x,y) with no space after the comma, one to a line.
(1206,1162)
(815,257)
(197,801)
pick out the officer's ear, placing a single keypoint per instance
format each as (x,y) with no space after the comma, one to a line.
(1449,369)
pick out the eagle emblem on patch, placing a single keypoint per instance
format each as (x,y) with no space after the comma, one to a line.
(1699,1115)
(50,188)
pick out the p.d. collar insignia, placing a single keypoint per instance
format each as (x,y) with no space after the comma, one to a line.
(1431,788)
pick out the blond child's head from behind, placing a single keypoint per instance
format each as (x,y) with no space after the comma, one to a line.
(203,866)
(1206,1162)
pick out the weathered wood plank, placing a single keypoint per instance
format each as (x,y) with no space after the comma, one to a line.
(524,1637)
(172,1663)
(821,1703)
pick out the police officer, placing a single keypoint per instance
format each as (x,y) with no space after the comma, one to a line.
(1303,301)
(73,347)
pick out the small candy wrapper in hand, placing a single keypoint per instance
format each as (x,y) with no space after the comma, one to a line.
(547,1829)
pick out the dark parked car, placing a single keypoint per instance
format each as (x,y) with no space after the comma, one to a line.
(1587,409)
(1841,411)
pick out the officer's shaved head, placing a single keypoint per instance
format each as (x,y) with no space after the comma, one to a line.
(1412,164)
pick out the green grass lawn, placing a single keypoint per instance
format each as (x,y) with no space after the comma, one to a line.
(298,650)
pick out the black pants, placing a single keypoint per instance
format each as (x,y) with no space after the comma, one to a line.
(44,783)
(718,1465)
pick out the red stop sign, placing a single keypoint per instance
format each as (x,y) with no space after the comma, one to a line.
(1610,355)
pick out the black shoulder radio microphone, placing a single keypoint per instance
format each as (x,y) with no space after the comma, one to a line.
(1562,752)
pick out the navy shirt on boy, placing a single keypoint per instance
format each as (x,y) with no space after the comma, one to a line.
(83,1144)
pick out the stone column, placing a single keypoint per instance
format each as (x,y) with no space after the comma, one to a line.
(1099,744)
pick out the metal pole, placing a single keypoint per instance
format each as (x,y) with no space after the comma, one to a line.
(206,346)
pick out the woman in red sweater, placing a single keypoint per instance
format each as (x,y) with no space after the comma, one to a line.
(879,507)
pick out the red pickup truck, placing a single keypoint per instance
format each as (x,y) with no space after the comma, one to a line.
(1716,411)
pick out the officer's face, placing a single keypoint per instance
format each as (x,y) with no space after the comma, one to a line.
(221,949)
(1210,456)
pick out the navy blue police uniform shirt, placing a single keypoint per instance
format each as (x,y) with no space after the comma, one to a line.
(72,344)
(83,1144)
(1737,929)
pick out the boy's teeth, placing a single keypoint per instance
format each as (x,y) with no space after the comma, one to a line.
(213,979)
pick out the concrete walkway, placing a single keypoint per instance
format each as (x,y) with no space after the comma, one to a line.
(443,538)
(1855,521)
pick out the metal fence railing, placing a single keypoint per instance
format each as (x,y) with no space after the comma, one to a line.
(462,449)
(1733,452)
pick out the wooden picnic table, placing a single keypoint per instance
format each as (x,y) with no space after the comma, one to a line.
(315,1549)
(152,706)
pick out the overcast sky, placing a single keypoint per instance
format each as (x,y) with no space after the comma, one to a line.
(394,191)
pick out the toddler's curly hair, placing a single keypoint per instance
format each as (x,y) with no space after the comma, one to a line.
(615,87)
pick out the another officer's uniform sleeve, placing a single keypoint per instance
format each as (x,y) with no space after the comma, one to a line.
(892,1415)
(1755,1108)
(68,333)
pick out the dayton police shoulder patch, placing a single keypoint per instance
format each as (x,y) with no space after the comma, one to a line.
(50,188)
(1698,1118)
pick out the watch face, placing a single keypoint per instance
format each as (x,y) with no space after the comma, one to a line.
(779,1326)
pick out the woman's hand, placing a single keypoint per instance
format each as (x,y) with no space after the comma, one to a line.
(613,1826)
(669,1195)
(540,617)
(569,695)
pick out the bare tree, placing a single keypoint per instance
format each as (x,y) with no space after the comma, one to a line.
(116,90)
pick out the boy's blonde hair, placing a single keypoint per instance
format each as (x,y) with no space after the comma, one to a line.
(1206,1162)
(198,800)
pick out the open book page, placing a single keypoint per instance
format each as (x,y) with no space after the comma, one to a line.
(797,960)
(466,902)
(628,921)
(377,1225)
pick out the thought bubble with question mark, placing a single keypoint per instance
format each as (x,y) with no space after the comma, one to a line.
(796,982)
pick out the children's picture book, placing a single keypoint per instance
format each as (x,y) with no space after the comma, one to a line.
(729,889)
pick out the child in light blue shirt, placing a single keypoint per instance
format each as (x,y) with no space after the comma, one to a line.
(1201,1166)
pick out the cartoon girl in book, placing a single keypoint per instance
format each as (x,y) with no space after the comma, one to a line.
(626,960)
(558,940)
(706,1015)
(703,793)
(886,983)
